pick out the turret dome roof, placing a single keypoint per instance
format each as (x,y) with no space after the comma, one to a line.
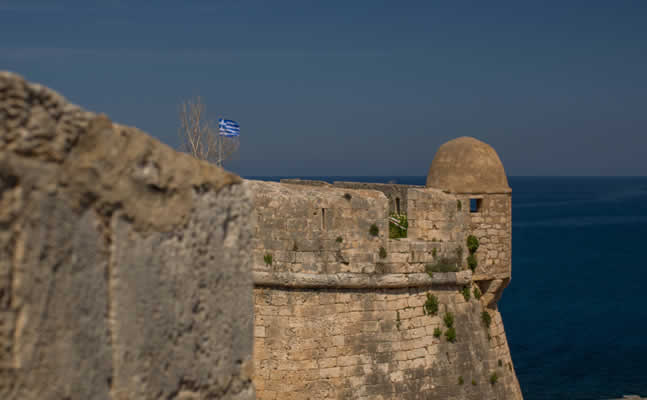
(467,165)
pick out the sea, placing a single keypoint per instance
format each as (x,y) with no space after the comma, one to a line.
(575,312)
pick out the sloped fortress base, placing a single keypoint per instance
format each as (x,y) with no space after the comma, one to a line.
(377,344)
(123,265)
(343,311)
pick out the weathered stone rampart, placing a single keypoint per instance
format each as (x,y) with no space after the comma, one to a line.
(123,270)
(396,194)
(340,307)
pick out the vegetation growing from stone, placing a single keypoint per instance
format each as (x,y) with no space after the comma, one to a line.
(268,259)
(347,196)
(437,332)
(434,252)
(473,382)
(466,293)
(477,293)
(493,378)
(449,319)
(382,252)
(374,230)
(460,380)
(395,232)
(472,244)
(444,264)
(450,334)
(472,262)
(486,318)
(459,205)
(431,305)
(339,239)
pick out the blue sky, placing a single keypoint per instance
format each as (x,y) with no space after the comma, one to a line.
(357,87)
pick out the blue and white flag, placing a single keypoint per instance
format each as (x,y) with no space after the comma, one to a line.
(228,127)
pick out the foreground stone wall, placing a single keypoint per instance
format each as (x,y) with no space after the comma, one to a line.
(342,319)
(123,273)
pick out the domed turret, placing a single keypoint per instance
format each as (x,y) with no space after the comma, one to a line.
(467,165)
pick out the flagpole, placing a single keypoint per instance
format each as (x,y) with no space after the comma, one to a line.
(219,145)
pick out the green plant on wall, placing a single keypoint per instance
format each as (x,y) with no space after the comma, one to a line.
(339,239)
(395,232)
(449,319)
(431,305)
(460,380)
(486,318)
(437,332)
(477,293)
(382,252)
(459,205)
(374,230)
(493,378)
(466,293)
(347,196)
(472,244)
(450,334)
(472,262)
(268,259)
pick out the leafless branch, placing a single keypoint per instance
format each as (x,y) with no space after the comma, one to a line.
(199,137)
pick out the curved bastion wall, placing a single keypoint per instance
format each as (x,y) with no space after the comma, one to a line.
(339,311)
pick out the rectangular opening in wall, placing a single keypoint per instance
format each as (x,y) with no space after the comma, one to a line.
(397,205)
(323,219)
(475,205)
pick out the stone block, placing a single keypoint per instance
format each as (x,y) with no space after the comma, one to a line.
(131,262)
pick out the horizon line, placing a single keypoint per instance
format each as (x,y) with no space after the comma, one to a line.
(418,176)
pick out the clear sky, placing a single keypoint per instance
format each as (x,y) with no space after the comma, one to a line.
(357,87)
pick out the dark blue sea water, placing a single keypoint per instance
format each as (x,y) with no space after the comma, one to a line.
(575,312)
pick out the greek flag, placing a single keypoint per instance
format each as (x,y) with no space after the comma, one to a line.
(227,127)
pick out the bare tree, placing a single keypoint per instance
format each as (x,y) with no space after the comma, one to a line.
(200,137)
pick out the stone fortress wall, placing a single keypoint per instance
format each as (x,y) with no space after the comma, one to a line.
(339,311)
(123,265)
(125,272)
